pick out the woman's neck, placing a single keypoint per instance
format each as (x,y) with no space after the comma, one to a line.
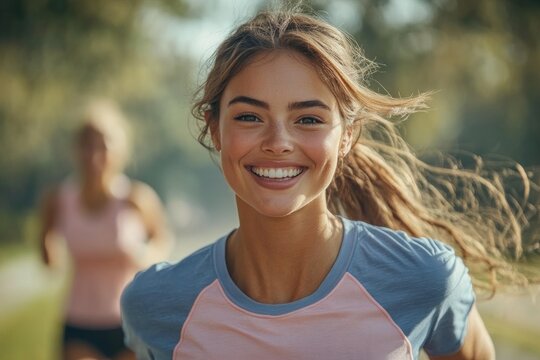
(96,192)
(279,260)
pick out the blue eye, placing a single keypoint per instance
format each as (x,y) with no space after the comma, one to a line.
(247,118)
(309,120)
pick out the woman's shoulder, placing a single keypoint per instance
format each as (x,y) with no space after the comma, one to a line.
(394,254)
(54,196)
(162,296)
(411,277)
(136,192)
(399,244)
(165,292)
(140,188)
(182,277)
(143,198)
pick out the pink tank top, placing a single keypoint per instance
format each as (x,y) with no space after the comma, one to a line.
(102,246)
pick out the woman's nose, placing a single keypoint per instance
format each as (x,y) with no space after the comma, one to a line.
(277,139)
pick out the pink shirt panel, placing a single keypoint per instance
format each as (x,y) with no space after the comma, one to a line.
(347,324)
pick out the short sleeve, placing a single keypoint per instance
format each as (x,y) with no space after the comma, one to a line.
(449,325)
(134,343)
(129,315)
(157,302)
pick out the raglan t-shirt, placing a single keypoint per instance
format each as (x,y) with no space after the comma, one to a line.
(387,296)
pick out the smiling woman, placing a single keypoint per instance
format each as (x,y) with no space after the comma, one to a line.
(340,252)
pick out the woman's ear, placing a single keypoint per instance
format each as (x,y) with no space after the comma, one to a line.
(213,126)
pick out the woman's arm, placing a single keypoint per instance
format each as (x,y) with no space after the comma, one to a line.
(477,344)
(147,202)
(48,216)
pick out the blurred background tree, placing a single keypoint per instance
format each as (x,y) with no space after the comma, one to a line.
(480,57)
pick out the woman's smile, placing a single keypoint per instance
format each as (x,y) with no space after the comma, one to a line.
(281,173)
(276,177)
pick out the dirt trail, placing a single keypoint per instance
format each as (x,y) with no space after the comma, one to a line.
(21,279)
(521,309)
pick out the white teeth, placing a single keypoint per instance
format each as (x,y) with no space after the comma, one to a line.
(277,173)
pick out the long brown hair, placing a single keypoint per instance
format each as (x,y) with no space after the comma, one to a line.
(381,181)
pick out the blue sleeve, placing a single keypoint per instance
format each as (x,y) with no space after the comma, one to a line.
(158,300)
(134,312)
(420,282)
(449,323)
(133,342)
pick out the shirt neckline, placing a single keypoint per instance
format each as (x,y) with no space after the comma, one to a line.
(240,299)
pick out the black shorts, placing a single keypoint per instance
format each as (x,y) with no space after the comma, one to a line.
(109,342)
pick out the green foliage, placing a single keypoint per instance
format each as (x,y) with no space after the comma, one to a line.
(521,337)
(33,331)
(481,57)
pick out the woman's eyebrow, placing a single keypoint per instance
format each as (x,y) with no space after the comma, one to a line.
(250,101)
(297,105)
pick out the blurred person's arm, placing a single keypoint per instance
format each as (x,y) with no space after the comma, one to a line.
(48,242)
(477,344)
(147,202)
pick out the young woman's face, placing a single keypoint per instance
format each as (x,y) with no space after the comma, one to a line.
(94,153)
(279,135)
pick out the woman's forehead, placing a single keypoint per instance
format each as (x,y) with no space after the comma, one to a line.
(279,76)
(90,131)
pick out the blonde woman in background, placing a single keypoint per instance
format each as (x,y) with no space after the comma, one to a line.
(112,226)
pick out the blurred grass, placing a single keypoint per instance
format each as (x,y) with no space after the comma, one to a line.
(522,337)
(10,251)
(32,331)
(30,305)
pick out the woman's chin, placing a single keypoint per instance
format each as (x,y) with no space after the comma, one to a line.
(272,208)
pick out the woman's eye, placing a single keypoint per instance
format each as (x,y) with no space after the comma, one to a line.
(247,118)
(308,120)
